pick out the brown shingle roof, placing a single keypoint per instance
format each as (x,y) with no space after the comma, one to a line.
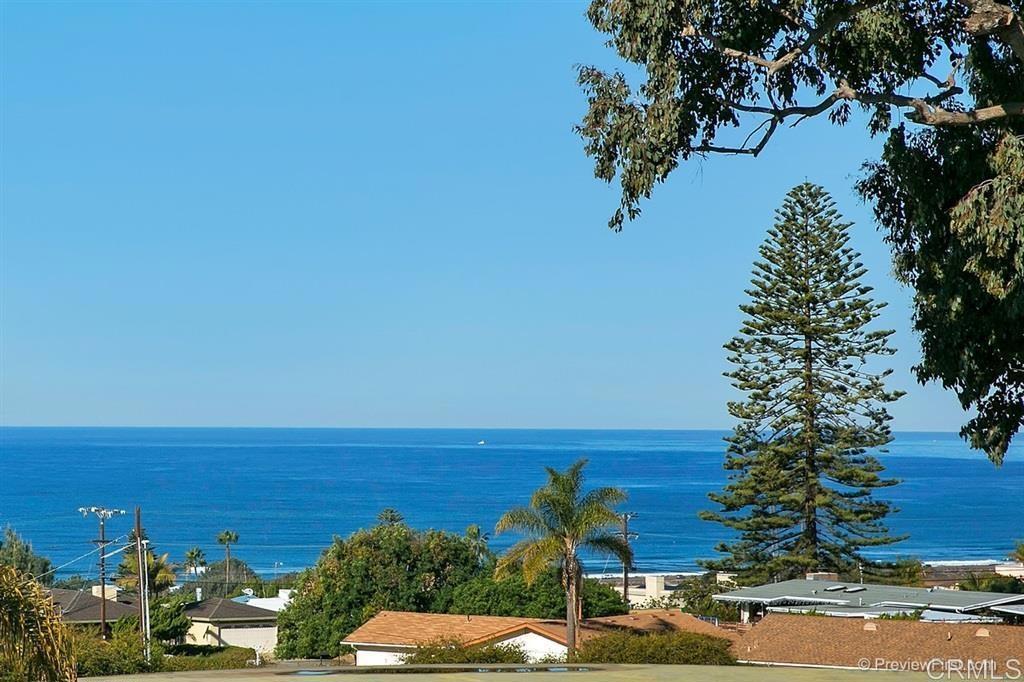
(77,606)
(847,642)
(218,609)
(403,628)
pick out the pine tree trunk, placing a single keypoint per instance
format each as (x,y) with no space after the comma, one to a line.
(810,511)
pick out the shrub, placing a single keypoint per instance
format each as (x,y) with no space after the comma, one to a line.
(195,657)
(122,654)
(452,651)
(672,648)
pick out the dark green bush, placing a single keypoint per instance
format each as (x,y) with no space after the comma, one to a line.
(193,657)
(452,651)
(672,648)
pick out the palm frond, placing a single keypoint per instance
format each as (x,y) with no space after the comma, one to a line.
(531,557)
(523,520)
(610,545)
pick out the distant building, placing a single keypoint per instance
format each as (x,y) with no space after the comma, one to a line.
(856,600)
(276,604)
(942,650)
(390,636)
(222,622)
(647,588)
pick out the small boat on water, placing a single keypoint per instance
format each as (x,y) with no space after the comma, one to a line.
(481,442)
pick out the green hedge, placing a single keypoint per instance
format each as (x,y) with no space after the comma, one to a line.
(451,651)
(673,648)
(208,658)
(122,654)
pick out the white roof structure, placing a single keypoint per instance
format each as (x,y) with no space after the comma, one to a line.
(858,600)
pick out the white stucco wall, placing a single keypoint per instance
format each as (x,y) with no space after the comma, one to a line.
(381,655)
(537,648)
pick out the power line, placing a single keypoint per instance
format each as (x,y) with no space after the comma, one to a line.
(90,552)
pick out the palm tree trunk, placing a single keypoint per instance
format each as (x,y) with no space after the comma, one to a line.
(227,566)
(572,606)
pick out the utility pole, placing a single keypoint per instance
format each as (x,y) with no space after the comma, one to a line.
(626,537)
(147,633)
(102,513)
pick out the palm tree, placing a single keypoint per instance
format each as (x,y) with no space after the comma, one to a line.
(1018,553)
(227,538)
(194,558)
(559,522)
(161,572)
(477,540)
(34,642)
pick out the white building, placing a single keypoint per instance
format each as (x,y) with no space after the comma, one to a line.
(391,636)
(275,604)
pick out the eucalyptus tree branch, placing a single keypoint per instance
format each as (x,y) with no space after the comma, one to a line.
(988,17)
(814,35)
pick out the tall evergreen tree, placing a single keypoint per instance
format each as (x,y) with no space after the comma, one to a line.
(800,491)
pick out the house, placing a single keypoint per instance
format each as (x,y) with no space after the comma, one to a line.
(222,622)
(78,607)
(862,600)
(390,636)
(939,649)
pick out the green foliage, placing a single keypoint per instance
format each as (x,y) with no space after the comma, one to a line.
(1018,553)
(74,582)
(561,520)
(195,558)
(451,651)
(544,598)
(801,481)
(390,517)
(167,619)
(17,553)
(952,201)
(35,644)
(947,193)
(1005,584)
(670,648)
(913,615)
(387,567)
(215,582)
(907,571)
(122,654)
(193,657)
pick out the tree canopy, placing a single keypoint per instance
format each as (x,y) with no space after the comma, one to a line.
(14,551)
(721,77)
(543,598)
(390,566)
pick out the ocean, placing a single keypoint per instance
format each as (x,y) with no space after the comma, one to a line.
(287,492)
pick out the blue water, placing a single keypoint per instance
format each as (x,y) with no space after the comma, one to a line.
(288,491)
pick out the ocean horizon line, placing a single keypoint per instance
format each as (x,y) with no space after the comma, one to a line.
(703,429)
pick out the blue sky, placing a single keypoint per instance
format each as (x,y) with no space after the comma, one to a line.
(367,214)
